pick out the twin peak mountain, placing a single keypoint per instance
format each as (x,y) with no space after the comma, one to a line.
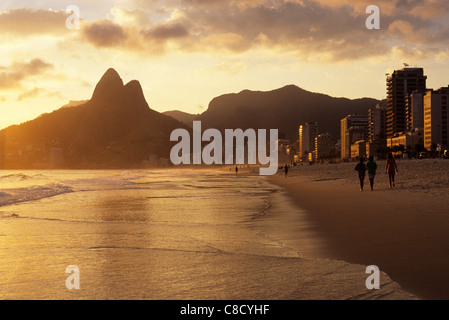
(114,129)
(110,89)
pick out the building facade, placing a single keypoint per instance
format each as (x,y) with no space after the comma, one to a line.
(358,150)
(307,135)
(323,146)
(415,110)
(353,128)
(409,139)
(436,119)
(377,126)
(399,85)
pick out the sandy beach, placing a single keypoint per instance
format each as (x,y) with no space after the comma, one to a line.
(404,231)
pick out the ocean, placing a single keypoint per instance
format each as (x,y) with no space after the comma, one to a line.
(164,234)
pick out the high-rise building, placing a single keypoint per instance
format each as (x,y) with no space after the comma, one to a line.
(354,128)
(323,146)
(377,125)
(399,84)
(307,135)
(415,110)
(377,130)
(436,118)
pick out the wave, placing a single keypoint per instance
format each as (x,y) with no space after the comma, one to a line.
(12,196)
(16,177)
(4,215)
(35,185)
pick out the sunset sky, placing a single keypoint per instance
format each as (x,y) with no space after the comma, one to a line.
(186,52)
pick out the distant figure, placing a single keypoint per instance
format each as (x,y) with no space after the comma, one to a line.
(236,170)
(361,169)
(286,171)
(372,168)
(391,169)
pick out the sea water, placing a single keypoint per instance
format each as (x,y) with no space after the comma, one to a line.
(164,234)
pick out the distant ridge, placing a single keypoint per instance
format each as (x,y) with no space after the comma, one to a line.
(284,109)
(186,118)
(115,129)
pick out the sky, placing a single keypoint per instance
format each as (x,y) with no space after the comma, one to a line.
(186,52)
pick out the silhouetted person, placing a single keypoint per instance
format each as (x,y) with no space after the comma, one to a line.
(372,169)
(286,171)
(361,169)
(391,169)
(236,170)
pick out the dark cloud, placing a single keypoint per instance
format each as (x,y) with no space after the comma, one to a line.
(335,29)
(331,29)
(12,76)
(104,33)
(166,31)
(306,28)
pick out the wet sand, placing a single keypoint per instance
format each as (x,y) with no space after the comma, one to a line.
(404,231)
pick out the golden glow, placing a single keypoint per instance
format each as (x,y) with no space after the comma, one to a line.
(184,58)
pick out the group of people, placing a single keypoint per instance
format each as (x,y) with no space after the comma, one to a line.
(391,169)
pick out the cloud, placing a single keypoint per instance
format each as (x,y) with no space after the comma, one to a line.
(17,72)
(310,29)
(328,30)
(429,9)
(37,92)
(166,31)
(301,27)
(33,22)
(153,39)
(137,17)
(305,28)
(104,33)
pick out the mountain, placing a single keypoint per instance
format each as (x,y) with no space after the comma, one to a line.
(114,129)
(284,109)
(186,118)
(73,103)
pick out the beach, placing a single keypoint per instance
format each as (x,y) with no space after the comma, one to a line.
(404,231)
(167,235)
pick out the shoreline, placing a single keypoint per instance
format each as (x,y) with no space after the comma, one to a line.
(316,272)
(223,239)
(403,231)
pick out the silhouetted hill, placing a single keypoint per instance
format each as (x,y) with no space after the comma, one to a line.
(116,128)
(186,118)
(73,103)
(284,109)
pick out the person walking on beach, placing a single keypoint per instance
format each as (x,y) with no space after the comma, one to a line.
(361,169)
(391,169)
(286,171)
(372,168)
